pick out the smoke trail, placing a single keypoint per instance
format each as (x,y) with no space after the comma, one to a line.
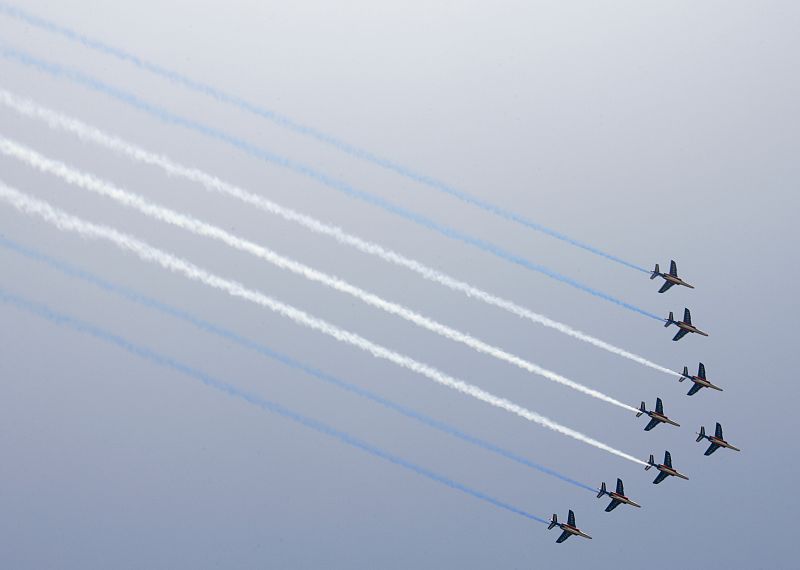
(66,222)
(296,127)
(85,132)
(93,184)
(267,352)
(300,168)
(46,312)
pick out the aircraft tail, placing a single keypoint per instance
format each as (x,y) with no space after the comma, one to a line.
(670,319)
(685,374)
(651,462)
(655,273)
(553,523)
(602,490)
(702,434)
(641,411)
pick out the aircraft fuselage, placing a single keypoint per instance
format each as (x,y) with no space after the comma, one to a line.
(623,499)
(703,382)
(690,328)
(573,530)
(721,443)
(670,471)
(675,280)
(662,418)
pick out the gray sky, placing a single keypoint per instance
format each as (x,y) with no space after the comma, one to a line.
(649,130)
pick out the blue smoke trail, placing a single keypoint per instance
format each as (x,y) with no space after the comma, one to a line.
(46,312)
(249,344)
(292,125)
(338,185)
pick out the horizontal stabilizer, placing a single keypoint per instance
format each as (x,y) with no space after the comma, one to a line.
(702,434)
(655,273)
(602,490)
(553,522)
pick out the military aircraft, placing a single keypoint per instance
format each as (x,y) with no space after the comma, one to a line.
(670,278)
(716,440)
(685,325)
(700,381)
(656,417)
(665,469)
(617,498)
(568,527)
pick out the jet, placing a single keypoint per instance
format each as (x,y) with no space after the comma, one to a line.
(685,325)
(716,440)
(617,498)
(666,469)
(568,528)
(670,278)
(656,417)
(700,381)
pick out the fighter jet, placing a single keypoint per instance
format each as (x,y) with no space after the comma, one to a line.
(700,381)
(656,417)
(716,440)
(665,469)
(670,278)
(685,325)
(568,528)
(617,498)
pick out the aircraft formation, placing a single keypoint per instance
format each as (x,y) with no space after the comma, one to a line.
(65,222)
(657,416)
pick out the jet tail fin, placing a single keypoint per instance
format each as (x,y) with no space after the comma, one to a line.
(702,433)
(553,522)
(651,462)
(641,411)
(670,319)
(602,490)
(685,374)
(655,273)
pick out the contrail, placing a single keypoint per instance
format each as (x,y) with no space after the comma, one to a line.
(302,129)
(62,319)
(299,168)
(67,222)
(56,120)
(250,344)
(128,199)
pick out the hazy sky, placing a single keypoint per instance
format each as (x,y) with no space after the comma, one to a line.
(650,130)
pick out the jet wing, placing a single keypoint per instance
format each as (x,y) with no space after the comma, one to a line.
(659,406)
(667,459)
(564,536)
(612,505)
(711,449)
(673,268)
(718,431)
(661,477)
(620,489)
(694,389)
(680,334)
(701,371)
(687,316)
(571,518)
(665,286)
(651,424)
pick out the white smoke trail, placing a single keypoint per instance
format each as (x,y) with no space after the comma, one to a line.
(88,133)
(93,184)
(66,222)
